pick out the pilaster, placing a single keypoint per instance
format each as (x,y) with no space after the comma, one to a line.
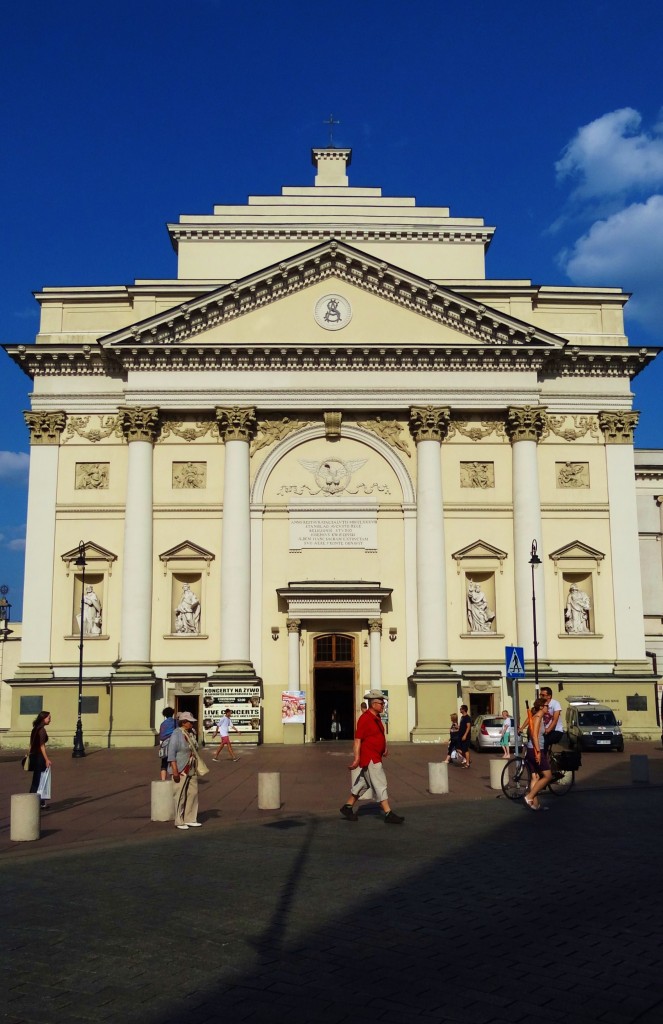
(45,429)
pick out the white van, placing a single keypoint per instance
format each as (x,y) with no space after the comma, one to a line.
(591,725)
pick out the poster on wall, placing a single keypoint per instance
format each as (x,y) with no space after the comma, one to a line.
(244,703)
(293,707)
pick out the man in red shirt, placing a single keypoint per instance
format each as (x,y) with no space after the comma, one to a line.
(370,747)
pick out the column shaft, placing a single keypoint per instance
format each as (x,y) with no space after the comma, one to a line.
(527,528)
(293,655)
(136,623)
(431,568)
(235,554)
(626,584)
(40,555)
(375,652)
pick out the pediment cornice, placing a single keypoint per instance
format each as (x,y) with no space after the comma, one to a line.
(474,322)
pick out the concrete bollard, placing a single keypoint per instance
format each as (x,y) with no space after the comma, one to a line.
(369,794)
(438,777)
(25,817)
(163,800)
(496,767)
(269,791)
(640,769)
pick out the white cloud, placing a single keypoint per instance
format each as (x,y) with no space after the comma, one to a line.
(611,156)
(18,544)
(14,466)
(625,249)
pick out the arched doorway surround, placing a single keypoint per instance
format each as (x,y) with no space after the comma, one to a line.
(393,459)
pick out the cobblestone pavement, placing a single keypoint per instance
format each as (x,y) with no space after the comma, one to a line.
(475,911)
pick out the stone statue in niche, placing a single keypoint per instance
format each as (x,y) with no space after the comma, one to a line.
(189,475)
(187,613)
(480,618)
(91,476)
(91,613)
(576,613)
(477,474)
(572,474)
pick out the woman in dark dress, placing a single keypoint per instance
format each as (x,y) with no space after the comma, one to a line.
(39,759)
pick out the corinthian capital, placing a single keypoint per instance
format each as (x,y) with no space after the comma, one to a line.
(45,427)
(375,626)
(139,424)
(525,423)
(618,427)
(429,423)
(236,423)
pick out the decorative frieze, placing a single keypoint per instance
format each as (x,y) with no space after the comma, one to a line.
(189,430)
(45,427)
(236,423)
(525,423)
(618,427)
(389,431)
(139,424)
(477,430)
(429,423)
(271,431)
(572,427)
(94,428)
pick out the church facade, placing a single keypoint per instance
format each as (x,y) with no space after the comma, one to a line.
(331,455)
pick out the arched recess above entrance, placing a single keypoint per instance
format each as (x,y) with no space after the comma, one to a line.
(350,431)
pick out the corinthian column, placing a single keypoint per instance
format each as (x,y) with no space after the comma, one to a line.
(618,430)
(429,426)
(524,426)
(140,427)
(45,429)
(236,427)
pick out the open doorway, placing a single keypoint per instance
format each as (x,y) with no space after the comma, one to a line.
(481,704)
(334,677)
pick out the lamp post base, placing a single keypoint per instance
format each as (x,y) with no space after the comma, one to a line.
(79,746)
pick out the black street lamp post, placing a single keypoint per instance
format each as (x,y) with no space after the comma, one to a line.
(79,746)
(534,561)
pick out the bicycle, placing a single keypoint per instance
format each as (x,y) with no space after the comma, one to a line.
(517,774)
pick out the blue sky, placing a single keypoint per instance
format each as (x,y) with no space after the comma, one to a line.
(545,119)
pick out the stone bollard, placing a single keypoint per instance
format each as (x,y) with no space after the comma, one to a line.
(369,794)
(25,817)
(640,769)
(163,800)
(438,777)
(496,767)
(269,791)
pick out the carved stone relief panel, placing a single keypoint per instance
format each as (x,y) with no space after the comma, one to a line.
(477,474)
(92,476)
(572,474)
(189,475)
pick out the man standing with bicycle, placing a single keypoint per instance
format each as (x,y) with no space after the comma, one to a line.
(554,728)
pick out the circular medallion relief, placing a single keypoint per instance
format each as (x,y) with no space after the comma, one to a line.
(332,312)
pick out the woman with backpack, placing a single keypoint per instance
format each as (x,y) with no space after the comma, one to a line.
(165,732)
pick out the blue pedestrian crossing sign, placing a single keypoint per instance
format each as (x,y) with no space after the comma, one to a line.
(515,662)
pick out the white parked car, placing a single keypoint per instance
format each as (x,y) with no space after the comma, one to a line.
(486,732)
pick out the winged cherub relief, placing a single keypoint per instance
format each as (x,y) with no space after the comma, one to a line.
(333,476)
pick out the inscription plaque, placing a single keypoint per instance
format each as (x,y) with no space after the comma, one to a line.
(349,532)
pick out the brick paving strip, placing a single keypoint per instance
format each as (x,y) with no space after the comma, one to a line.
(300,916)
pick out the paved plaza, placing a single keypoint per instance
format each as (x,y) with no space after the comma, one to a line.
(475,911)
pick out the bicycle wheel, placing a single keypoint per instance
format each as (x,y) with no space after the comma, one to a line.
(515,778)
(562,783)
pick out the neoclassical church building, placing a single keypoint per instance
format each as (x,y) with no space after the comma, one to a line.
(319,461)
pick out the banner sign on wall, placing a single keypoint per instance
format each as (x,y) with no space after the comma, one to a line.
(245,709)
(293,707)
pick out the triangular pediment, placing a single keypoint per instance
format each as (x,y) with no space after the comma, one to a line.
(233,314)
(479,551)
(576,551)
(187,551)
(93,553)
